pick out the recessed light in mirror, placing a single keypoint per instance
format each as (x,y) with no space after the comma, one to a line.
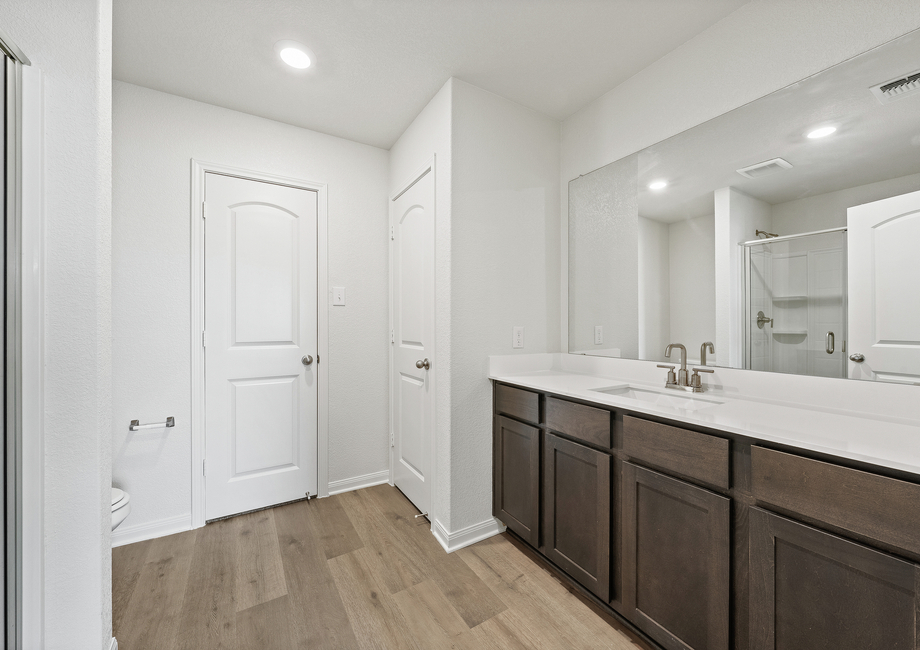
(658,185)
(295,54)
(823,132)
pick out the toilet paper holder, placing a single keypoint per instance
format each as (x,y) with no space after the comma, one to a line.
(136,424)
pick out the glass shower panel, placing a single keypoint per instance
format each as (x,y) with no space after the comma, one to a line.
(795,295)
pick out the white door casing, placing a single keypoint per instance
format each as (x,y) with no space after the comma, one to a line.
(260,322)
(884,289)
(412,228)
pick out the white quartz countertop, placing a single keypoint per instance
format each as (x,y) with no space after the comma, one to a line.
(870,438)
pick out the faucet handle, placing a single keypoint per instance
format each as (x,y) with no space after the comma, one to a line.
(672,378)
(695,382)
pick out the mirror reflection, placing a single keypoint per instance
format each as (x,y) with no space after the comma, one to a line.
(777,237)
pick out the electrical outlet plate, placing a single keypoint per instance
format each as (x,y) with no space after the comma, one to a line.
(517,337)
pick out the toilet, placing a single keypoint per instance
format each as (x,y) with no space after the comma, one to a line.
(121,506)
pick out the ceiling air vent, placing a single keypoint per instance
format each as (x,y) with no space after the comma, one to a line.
(764,168)
(897,88)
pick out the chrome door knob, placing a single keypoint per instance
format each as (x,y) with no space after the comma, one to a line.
(858,358)
(307,360)
(423,364)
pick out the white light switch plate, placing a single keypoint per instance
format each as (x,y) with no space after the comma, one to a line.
(517,337)
(338,296)
(598,334)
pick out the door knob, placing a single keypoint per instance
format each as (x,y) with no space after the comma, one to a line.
(307,360)
(858,358)
(423,364)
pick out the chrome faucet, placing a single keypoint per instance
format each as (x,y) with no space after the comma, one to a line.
(682,375)
(712,350)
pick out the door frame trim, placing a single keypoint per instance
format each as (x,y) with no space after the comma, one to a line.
(198,170)
(428,167)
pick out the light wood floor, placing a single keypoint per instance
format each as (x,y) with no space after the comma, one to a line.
(356,570)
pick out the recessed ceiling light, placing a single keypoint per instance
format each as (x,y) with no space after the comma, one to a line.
(823,132)
(658,185)
(295,54)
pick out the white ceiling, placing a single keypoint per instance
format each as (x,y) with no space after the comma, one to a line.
(380,61)
(873,142)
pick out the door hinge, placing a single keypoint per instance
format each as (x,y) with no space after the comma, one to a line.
(392,232)
(204,467)
(392,337)
(392,439)
(204,339)
(204,213)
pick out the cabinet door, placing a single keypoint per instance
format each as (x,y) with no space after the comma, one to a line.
(811,589)
(516,483)
(576,530)
(676,578)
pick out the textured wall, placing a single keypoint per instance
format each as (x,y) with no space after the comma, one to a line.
(604,258)
(71,43)
(505,261)
(156,135)
(427,136)
(693,284)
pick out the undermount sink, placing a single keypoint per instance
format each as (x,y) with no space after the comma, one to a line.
(687,401)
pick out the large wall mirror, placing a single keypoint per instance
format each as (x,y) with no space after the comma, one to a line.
(786,233)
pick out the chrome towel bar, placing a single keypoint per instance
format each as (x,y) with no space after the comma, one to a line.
(136,424)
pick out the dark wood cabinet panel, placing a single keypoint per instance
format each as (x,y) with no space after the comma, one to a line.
(814,590)
(576,528)
(516,477)
(686,453)
(579,421)
(676,560)
(877,507)
(521,404)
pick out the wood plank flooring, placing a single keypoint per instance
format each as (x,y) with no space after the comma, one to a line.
(356,570)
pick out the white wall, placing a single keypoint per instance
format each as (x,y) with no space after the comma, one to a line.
(825,211)
(155,137)
(71,43)
(762,47)
(655,278)
(693,285)
(430,135)
(505,269)
(737,218)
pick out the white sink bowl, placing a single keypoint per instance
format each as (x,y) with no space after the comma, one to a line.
(667,398)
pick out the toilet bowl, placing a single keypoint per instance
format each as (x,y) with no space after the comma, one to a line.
(121,506)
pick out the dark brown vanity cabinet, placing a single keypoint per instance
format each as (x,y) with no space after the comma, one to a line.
(516,467)
(811,589)
(706,540)
(576,526)
(676,560)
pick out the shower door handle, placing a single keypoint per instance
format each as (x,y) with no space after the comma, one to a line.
(829,343)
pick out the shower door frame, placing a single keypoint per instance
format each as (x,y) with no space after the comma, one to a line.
(746,279)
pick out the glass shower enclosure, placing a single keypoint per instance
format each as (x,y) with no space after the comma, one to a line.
(795,297)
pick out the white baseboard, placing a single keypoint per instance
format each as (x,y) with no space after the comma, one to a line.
(130,534)
(358,482)
(470,535)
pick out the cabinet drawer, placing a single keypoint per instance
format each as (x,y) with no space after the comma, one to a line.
(685,453)
(579,421)
(517,403)
(880,508)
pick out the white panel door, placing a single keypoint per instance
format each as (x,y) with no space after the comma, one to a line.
(884,289)
(260,322)
(412,222)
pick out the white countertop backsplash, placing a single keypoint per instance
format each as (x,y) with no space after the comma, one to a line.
(871,422)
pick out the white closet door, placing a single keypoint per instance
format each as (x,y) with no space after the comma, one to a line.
(412,221)
(884,289)
(260,321)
